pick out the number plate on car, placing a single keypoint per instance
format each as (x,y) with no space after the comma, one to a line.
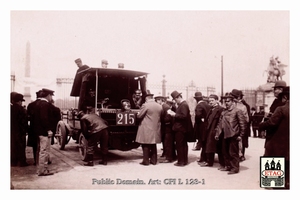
(125,118)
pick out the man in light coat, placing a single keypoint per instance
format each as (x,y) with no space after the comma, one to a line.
(148,134)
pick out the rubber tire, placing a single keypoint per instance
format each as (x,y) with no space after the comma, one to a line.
(63,138)
(83,144)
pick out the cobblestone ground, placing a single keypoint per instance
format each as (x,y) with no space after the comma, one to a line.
(124,172)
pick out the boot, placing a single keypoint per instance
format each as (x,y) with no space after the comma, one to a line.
(104,160)
(90,161)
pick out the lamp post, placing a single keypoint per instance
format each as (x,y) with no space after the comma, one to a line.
(221,75)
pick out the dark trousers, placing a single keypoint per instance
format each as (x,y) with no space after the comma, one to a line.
(149,153)
(163,136)
(169,144)
(287,174)
(210,157)
(181,147)
(203,154)
(231,154)
(34,151)
(93,139)
(221,149)
(18,146)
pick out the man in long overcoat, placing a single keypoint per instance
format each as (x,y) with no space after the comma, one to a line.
(149,129)
(212,145)
(32,135)
(201,111)
(278,143)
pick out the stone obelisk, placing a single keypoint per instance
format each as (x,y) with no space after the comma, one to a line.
(27,95)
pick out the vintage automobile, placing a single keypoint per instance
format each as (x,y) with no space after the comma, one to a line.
(110,87)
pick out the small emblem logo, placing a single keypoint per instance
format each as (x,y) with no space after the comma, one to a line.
(272,172)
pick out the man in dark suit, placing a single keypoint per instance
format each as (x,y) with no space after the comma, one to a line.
(42,126)
(212,145)
(278,88)
(181,125)
(201,111)
(18,130)
(278,143)
(32,135)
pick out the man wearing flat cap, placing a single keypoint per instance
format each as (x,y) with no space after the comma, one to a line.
(80,73)
(42,126)
(201,111)
(148,134)
(18,130)
(237,94)
(181,126)
(232,124)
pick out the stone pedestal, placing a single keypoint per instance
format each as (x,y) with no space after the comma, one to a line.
(265,96)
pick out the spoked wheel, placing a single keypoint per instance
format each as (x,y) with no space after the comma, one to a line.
(82,147)
(61,135)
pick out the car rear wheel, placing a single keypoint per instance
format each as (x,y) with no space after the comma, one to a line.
(82,147)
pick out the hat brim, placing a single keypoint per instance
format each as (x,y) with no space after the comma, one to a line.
(227,97)
(177,95)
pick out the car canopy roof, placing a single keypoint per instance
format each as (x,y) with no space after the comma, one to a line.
(110,72)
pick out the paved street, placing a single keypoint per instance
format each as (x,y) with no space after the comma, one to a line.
(123,169)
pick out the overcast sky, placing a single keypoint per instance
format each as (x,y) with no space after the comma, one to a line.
(183,45)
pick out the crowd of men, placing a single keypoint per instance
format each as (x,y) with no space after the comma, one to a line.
(221,126)
(39,120)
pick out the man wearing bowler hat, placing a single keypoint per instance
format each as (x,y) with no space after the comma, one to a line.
(278,88)
(42,126)
(278,144)
(181,126)
(148,134)
(18,130)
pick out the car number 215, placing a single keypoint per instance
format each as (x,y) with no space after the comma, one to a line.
(124,118)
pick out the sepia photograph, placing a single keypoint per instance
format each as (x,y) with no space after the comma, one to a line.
(149,99)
